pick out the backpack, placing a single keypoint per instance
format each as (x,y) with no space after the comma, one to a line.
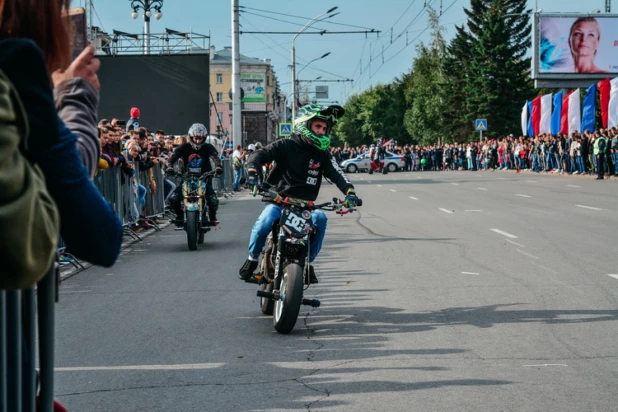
(29,219)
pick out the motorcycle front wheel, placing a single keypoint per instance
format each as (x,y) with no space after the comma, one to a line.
(200,235)
(192,229)
(288,305)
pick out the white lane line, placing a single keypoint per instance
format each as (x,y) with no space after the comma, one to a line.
(393,190)
(503,233)
(446,210)
(481,188)
(573,186)
(546,364)
(614,276)
(588,207)
(474,210)
(515,243)
(413,198)
(469,273)
(141,367)
(455,184)
(517,194)
(527,254)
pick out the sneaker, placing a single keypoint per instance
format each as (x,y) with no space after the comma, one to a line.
(313,279)
(246,271)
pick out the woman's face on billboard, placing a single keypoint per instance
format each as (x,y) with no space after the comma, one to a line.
(584,39)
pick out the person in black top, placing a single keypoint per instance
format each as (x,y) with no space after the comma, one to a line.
(300,162)
(198,153)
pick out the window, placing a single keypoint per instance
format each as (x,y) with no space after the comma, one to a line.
(219,97)
(219,78)
(220,117)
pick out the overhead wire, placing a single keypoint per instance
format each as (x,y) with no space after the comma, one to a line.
(304,18)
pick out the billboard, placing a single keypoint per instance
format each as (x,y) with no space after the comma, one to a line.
(575,46)
(254,87)
(171,91)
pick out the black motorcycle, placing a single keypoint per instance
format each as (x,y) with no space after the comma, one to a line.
(284,268)
(195,206)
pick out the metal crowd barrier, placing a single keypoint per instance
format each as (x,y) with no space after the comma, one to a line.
(152,180)
(21,311)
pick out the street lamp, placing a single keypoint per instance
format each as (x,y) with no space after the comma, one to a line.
(294,55)
(148,6)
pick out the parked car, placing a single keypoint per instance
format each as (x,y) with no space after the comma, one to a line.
(392,162)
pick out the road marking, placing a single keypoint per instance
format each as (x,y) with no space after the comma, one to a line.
(546,364)
(527,254)
(614,276)
(413,198)
(455,184)
(573,186)
(393,190)
(446,210)
(469,273)
(481,188)
(379,185)
(515,243)
(517,194)
(588,207)
(474,210)
(141,367)
(503,233)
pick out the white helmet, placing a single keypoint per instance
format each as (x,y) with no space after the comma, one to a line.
(251,147)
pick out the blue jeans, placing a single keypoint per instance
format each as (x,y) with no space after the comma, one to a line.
(141,194)
(168,189)
(237,177)
(264,224)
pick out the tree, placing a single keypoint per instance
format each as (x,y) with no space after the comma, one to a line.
(498,79)
(425,95)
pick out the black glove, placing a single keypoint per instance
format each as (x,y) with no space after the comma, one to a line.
(350,200)
(252,179)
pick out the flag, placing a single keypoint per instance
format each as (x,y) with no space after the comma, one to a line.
(536,115)
(612,111)
(604,86)
(575,115)
(557,113)
(564,115)
(524,120)
(545,124)
(530,128)
(589,109)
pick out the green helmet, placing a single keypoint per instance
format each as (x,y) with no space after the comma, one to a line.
(307,114)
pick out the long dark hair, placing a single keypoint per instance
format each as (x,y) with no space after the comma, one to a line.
(42,22)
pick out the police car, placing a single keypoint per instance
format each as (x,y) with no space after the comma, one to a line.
(362,163)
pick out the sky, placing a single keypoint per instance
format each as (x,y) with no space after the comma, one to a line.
(367,59)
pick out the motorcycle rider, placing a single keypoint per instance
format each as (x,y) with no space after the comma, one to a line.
(299,164)
(199,153)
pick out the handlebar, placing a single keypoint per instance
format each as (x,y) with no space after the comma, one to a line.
(335,205)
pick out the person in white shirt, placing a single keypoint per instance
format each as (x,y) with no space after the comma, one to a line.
(237,165)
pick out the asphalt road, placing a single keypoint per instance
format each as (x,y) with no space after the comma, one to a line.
(457,291)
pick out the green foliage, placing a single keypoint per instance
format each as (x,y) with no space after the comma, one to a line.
(483,72)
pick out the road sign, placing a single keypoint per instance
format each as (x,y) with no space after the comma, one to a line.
(285,129)
(481,124)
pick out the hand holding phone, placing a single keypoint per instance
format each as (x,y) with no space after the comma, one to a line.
(85,66)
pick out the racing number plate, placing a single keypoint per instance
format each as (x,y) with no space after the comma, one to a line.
(296,223)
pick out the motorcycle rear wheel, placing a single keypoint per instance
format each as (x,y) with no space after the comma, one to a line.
(287,307)
(192,229)
(267,305)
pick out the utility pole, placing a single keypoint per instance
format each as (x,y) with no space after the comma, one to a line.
(608,6)
(236,103)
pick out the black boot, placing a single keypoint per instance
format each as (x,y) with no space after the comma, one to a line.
(313,279)
(246,271)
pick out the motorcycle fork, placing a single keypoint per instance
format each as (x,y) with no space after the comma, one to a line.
(278,262)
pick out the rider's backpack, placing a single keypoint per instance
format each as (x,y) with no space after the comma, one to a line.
(29,219)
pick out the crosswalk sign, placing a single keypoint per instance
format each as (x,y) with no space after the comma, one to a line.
(285,129)
(481,124)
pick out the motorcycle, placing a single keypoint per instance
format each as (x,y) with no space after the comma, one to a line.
(195,207)
(284,269)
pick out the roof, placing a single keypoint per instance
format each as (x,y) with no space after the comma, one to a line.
(224,56)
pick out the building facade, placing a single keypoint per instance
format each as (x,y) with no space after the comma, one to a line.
(261,104)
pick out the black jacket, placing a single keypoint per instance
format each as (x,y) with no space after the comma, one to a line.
(298,168)
(206,152)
